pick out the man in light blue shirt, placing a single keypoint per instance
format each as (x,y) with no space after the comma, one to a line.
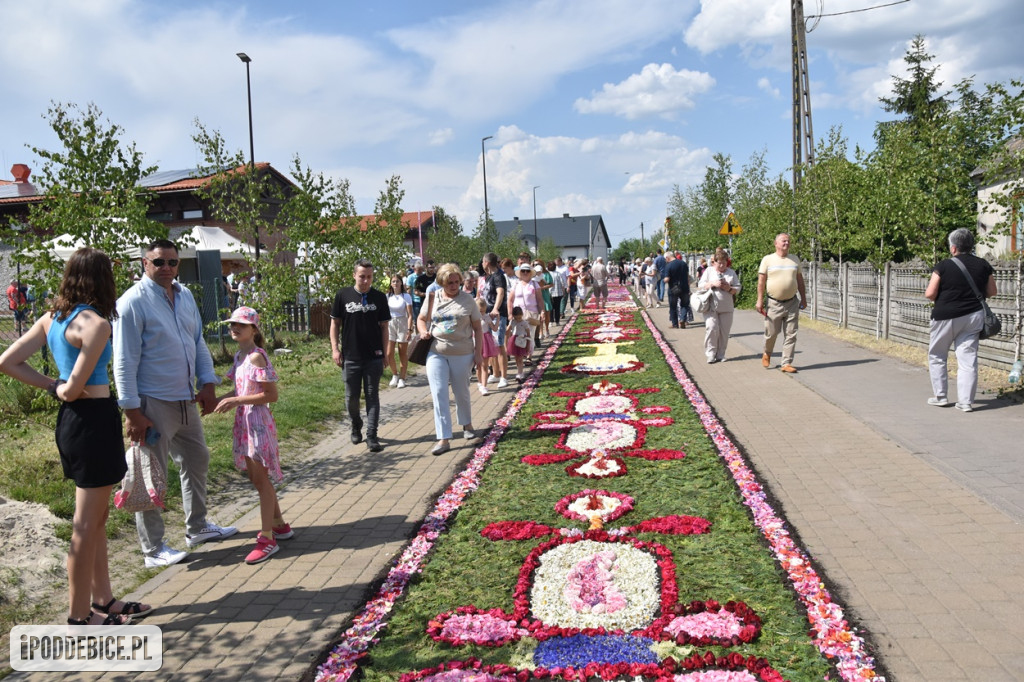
(160,360)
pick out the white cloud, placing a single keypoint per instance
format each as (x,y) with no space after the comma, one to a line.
(658,90)
(441,137)
(765,85)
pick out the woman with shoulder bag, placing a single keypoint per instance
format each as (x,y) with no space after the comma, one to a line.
(722,282)
(453,321)
(958,318)
(89,434)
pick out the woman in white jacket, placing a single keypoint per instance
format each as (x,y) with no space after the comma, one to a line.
(723,283)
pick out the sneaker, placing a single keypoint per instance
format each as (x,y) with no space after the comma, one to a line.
(165,556)
(492,379)
(356,436)
(284,532)
(211,532)
(264,549)
(964,407)
(483,389)
(393,382)
(401,383)
(938,402)
(712,360)
(502,382)
(372,444)
(468,434)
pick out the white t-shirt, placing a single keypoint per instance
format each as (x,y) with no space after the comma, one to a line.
(397,303)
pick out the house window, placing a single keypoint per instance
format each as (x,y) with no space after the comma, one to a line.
(192,215)
(161,216)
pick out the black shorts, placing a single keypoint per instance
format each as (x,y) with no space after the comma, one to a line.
(90,442)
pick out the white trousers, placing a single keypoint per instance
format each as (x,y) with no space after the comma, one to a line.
(962,333)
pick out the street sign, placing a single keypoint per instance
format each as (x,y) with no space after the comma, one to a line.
(731,226)
(663,243)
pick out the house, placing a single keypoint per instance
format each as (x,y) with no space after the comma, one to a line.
(1006,180)
(418,224)
(575,236)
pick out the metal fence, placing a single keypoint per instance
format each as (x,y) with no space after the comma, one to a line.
(890,304)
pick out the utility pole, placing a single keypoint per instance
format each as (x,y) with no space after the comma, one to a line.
(803,133)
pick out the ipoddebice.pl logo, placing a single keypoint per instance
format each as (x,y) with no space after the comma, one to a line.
(74,648)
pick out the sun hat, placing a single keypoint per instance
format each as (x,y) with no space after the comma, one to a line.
(538,268)
(245,315)
(525,266)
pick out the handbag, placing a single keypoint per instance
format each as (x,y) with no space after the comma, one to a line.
(420,348)
(700,301)
(145,483)
(992,325)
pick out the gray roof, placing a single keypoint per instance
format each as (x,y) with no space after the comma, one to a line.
(15,190)
(566,231)
(161,178)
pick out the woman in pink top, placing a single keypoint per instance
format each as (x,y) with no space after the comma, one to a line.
(527,294)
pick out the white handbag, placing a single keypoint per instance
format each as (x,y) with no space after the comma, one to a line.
(700,301)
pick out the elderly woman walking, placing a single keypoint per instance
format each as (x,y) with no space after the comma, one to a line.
(957,318)
(722,282)
(450,317)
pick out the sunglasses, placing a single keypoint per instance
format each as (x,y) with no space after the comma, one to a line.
(160,262)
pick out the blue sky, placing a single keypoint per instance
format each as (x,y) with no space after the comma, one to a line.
(605,104)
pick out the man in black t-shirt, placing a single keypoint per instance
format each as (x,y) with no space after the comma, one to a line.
(359,334)
(425,280)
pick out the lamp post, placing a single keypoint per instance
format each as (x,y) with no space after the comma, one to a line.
(252,155)
(483,160)
(642,247)
(536,240)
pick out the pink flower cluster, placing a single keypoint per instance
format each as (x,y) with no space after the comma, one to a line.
(709,623)
(590,585)
(832,634)
(469,625)
(669,670)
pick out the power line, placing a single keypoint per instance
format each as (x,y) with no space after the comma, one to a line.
(821,4)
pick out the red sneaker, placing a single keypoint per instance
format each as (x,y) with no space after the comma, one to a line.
(265,548)
(284,532)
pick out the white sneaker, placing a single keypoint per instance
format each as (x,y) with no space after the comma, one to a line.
(964,407)
(492,379)
(938,402)
(483,389)
(165,556)
(503,382)
(401,383)
(393,382)
(211,532)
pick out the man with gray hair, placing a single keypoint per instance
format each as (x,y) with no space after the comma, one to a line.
(957,318)
(779,278)
(359,335)
(599,276)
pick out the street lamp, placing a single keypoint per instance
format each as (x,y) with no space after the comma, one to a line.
(536,240)
(252,155)
(483,159)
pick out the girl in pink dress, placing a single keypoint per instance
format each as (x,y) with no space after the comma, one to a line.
(255,433)
(489,348)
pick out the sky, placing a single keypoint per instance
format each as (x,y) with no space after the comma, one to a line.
(603,106)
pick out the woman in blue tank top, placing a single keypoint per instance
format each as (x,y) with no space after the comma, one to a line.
(89,434)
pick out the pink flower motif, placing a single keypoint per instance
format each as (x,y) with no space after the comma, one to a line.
(590,586)
(722,624)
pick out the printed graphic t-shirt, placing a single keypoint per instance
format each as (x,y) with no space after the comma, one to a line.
(361,315)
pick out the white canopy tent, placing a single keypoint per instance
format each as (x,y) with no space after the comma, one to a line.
(190,240)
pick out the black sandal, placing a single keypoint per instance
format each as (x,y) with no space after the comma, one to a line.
(111,619)
(76,621)
(131,608)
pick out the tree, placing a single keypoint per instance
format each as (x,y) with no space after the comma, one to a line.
(486,239)
(917,97)
(448,244)
(92,194)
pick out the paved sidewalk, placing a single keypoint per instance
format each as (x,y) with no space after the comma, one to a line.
(913,512)
(352,512)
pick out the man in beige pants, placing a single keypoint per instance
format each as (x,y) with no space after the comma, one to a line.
(779,278)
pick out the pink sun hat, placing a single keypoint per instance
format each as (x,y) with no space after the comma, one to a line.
(245,315)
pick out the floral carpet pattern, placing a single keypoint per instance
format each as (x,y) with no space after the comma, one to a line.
(597,594)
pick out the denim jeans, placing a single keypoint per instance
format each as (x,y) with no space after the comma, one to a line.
(363,377)
(678,308)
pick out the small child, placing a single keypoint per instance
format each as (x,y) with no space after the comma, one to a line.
(489,349)
(520,340)
(255,432)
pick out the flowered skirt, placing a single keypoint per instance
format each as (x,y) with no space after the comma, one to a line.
(256,439)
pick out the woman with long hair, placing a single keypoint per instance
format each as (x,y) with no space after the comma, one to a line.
(89,437)
(399,330)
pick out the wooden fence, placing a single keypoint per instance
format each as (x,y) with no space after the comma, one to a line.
(890,304)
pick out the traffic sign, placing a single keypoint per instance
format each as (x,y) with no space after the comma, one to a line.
(731,226)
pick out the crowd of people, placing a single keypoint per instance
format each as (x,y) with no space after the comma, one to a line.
(473,320)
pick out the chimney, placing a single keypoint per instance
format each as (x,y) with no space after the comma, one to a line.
(515,218)
(565,215)
(20,172)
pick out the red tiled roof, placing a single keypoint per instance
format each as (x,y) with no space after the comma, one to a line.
(195,183)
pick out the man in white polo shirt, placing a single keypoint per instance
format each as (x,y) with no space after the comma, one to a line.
(779,278)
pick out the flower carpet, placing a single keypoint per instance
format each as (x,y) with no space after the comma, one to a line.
(607,528)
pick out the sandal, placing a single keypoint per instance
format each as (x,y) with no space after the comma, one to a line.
(130,608)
